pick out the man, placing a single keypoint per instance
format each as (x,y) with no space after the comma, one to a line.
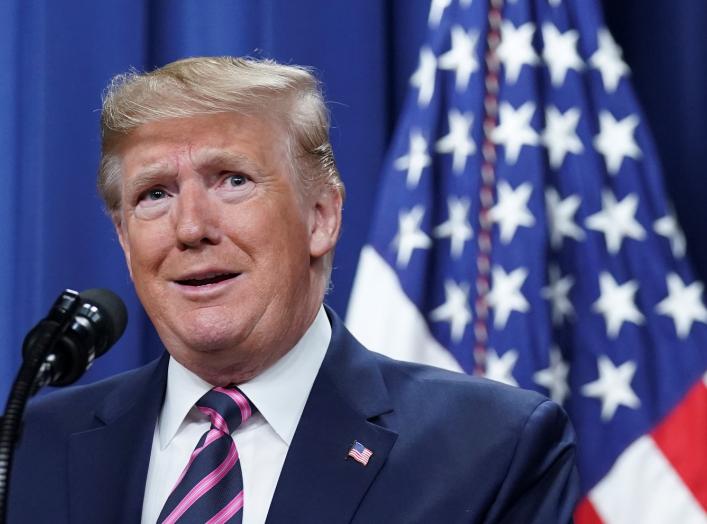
(220,179)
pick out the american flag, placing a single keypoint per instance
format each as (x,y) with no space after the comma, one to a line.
(523,233)
(359,453)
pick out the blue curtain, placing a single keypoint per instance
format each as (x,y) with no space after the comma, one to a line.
(56,58)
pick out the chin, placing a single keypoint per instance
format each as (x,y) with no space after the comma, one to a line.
(210,339)
(213,329)
(220,358)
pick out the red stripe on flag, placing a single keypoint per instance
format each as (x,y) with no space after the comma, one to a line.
(681,436)
(586,514)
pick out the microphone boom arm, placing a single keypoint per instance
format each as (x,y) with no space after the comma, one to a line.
(36,350)
(58,351)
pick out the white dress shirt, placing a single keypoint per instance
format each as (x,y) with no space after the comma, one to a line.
(279,394)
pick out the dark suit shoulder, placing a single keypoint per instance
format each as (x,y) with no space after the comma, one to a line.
(75,406)
(64,435)
(443,391)
(461,429)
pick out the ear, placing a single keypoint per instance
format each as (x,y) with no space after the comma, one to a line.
(325,222)
(120,230)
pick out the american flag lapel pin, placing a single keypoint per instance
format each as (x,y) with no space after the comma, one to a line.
(359,453)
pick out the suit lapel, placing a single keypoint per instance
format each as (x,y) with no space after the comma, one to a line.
(318,483)
(108,464)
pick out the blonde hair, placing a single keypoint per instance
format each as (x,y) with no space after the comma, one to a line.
(209,85)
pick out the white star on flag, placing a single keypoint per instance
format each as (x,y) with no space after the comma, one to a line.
(668,227)
(683,304)
(500,369)
(516,48)
(607,59)
(613,387)
(424,77)
(410,236)
(455,309)
(560,53)
(416,160)
(560,217)
(505,295)
(554,377)
(437,8)
(617,220)
(560,134)
(457,228)
(458,141)
(511,210)
(553,247)
(616,303)
(615,140)
(462,56)
(557,292)
(514,131)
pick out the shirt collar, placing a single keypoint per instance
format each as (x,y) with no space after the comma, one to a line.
(280,392)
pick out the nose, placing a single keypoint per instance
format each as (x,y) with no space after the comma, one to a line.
(196,220)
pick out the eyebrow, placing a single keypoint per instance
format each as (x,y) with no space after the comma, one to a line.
(147,176)
(208,157)
(154,173)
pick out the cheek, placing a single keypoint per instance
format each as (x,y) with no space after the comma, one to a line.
(280,227)
(147,249)
(293,236)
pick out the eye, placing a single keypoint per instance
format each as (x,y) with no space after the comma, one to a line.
(155,194)
(152,203)
(235,186)
(151,197)
(237,180)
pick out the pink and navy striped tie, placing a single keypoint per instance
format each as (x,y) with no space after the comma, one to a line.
(210,489)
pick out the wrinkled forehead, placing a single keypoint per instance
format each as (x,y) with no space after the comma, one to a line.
(153,161)
(207,143)
(242,141)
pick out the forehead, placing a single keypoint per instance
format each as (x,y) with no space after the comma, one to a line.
(202,141)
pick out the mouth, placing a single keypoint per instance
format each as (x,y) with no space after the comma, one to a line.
(208,279)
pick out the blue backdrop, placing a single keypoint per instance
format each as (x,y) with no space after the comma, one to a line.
(56,58)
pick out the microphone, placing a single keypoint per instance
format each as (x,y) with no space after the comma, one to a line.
(57,351)
(83,326)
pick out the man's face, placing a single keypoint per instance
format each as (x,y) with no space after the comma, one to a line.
(224,250)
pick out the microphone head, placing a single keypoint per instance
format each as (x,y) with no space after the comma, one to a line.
(78,329)
(113,316)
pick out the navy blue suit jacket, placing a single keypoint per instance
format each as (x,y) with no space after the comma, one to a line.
(447,448)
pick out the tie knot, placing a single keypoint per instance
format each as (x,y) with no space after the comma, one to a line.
(227,408)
